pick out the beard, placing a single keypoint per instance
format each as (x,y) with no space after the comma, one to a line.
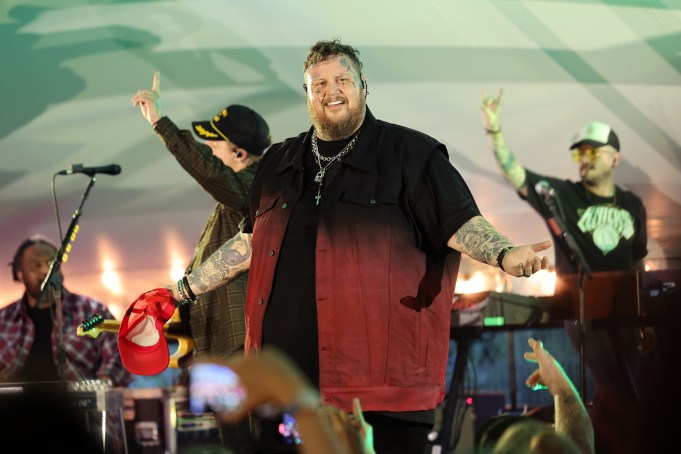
(589,180)
(592,177)
(338,130)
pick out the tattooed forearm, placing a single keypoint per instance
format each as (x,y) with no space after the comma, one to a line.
(478,239)
(226,264)
(513,171)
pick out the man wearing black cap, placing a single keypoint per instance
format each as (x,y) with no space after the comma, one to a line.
(608,224)
(235,139)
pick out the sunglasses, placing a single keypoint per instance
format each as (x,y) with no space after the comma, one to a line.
(591,153)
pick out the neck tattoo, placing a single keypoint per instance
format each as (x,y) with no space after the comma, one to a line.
(319,177)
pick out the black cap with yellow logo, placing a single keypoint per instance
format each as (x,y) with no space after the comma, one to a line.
(240,125)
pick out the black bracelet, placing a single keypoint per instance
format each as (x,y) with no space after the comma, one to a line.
(493,131)
(500,257)
(181,291)
(185,282)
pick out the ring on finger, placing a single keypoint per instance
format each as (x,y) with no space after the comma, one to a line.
(526,272)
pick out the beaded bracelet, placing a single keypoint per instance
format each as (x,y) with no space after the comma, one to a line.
(180,289)
(185,284)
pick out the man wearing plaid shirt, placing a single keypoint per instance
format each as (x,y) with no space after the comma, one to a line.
(28,340)
(224,166)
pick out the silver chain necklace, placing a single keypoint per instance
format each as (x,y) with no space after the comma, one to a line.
(319,177)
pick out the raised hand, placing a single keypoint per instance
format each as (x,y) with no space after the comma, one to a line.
(352,428)
(269,377)
(571,417)
(366,430)
(550,374)
(149,101)
(491,109)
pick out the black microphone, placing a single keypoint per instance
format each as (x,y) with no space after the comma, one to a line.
(544,189)
(111,169)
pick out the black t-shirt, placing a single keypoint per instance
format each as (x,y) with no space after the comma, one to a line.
(610,232)
(39,365)
(291,318)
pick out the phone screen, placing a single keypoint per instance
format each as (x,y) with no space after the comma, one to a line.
(288,428)
(214,387)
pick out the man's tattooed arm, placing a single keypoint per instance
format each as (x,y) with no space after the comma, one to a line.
(227,263)
(478,239)
(513,171)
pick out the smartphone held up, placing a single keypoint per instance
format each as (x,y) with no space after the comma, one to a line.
(214,387)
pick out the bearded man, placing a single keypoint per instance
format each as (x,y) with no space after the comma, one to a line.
(353,239)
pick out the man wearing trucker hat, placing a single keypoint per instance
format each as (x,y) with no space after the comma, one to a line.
(224,166)
(608,224)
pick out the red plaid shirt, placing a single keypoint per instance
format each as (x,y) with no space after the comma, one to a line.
(86,358)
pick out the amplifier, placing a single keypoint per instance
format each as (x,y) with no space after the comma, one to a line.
(158,421)
(98,406)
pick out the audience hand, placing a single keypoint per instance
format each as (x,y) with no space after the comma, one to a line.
(550,374)
(570,415)
(270,379)
(352,429)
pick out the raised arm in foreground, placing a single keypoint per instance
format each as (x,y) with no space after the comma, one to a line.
(571,417)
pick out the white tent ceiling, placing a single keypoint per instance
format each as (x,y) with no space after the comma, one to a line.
(69,69)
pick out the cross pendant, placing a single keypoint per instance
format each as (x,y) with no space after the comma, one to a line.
(320,176)
(317,197)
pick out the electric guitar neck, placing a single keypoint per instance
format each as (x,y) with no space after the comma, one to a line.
(96,325)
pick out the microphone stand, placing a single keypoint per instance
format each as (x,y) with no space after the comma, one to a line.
(53,282)
(447,436)
(583,269)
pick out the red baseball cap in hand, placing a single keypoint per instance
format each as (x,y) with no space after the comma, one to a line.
(141,341)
